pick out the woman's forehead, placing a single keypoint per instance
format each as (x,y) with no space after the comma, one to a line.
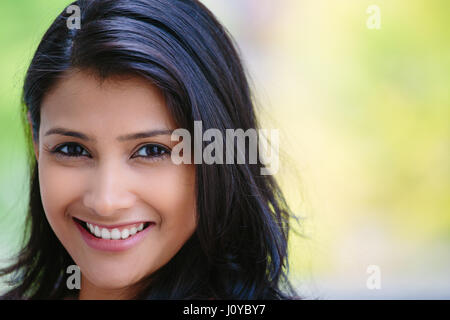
(120,102)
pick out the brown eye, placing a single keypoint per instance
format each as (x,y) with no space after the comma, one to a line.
(72,150)
(152,151)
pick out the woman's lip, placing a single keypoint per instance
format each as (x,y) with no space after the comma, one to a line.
(112,245)
(120,225)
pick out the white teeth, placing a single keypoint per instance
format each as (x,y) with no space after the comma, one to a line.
(125,233)
(115,234)
(106,234)
(97,232)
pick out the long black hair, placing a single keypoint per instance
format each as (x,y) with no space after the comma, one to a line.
(239,248)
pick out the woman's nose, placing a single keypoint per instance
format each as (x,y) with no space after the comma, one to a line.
(109,190)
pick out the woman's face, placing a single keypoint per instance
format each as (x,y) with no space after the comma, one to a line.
(108,181)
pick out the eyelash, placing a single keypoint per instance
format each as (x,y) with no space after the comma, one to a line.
(166,152)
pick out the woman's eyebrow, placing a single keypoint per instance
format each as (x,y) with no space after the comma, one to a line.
(131,136)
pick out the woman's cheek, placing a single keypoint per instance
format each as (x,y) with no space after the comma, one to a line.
(171,193)
(59,187)
(175,195)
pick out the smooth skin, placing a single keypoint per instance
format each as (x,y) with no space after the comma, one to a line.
(112,182)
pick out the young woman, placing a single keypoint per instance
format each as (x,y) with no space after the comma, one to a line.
(101,102)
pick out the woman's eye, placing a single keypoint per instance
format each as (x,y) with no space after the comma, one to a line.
(149,151)
(152,151)
(71,150)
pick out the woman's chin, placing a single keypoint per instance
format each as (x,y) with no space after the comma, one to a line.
(110,282)
(111,276)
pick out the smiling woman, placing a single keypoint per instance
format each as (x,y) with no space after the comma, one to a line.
(100,103)
(122,185)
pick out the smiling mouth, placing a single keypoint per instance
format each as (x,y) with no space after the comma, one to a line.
(116,233)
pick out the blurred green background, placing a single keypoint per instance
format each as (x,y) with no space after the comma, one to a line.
(364,119)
